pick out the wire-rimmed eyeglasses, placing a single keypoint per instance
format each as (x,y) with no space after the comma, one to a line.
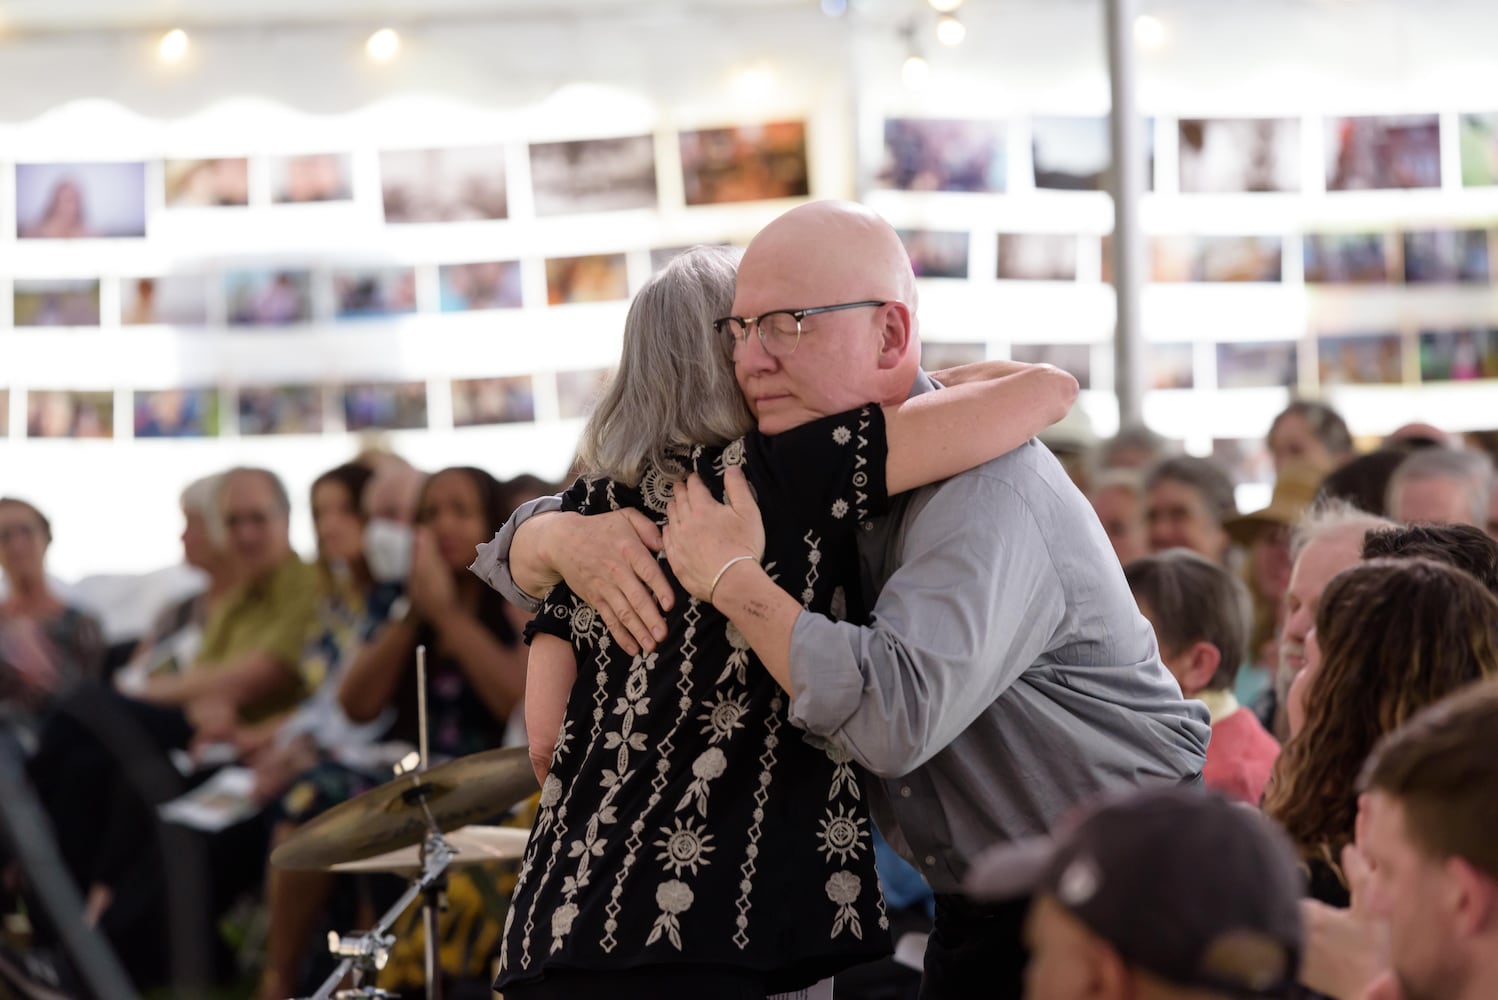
(779,330)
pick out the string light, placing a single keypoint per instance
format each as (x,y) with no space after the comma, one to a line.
(383,45)
(173,45)
(949,30)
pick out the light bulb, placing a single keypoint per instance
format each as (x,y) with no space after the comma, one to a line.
(915,72)
(383,45)
(173,45)
(1149,31)
(945,6)
(949,30)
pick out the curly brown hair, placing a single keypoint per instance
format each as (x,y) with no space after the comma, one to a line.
(1395,635)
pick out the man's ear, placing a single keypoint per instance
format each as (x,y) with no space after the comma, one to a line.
(1202,661)
(896,333)
(1473,898)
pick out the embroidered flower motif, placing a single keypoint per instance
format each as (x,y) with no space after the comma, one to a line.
(808,595)
(841,835)
(839,508)
(551,791)
(674,897)
(684,847)
(844,888)
(860,479)
(710,764)
(735,637)
(561,920)
(842,435)
(585,621)
(814,557)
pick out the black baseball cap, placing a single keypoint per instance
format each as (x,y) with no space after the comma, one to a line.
(1199,891)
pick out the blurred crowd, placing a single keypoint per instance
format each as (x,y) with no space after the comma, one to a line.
(1344,638)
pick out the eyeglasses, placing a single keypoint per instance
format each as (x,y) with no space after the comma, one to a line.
(780,330)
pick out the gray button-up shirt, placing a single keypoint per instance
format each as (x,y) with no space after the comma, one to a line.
(1005,675)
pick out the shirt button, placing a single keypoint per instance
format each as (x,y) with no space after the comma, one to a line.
(904,791)
(930,861)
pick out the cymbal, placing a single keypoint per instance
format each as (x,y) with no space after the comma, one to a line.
(472,845)
(458,793)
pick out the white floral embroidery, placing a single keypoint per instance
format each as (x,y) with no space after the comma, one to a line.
(841,834)
(843,778)
(551,791)
(737,663)
(710,764)
(844,888)
(684,846)
(839,508)
(561,920)
(733,454)
(842,435)
(674,898)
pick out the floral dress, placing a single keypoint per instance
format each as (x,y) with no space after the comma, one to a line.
(684,821)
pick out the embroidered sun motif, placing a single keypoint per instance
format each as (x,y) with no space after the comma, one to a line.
(839,508)
(734,453)
(842,435)
(656,489)
(841,835)
(724,716)
(684,847)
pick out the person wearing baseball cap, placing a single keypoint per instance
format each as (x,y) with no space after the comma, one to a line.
(1174,894)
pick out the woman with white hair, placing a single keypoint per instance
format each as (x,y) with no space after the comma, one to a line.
(173,640)
(690,842)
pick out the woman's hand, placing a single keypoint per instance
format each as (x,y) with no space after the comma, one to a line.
(702,535)
(430,585)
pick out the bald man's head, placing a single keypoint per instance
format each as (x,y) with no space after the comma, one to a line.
(823,254)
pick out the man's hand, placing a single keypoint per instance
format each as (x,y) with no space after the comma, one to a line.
(609,561)
(702,535)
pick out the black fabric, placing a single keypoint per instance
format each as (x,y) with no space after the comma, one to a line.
(976,950)
(684,819)
(649,983)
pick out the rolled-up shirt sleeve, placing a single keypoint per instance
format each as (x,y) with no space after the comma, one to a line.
(975,601)
(492,564)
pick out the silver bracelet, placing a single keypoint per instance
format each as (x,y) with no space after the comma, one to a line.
(714,589)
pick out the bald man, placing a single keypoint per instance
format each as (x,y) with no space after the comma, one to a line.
(1006,675)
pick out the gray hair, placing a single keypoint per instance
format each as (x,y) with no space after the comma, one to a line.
(200,498)
(674,386)
(1333,517)
(278,488)
(1473,469)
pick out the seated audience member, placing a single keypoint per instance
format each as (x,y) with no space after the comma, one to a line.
(246,670)
(1327,541)
(1363,481)
(1118,498)
(1265,536)
(1415,436)
(1174,894)
(46,646)
(1442,486)
(247,667)
(1189,500)
(1136,447)
(177,634)
(1392,636)
(1309,433)
(1200,616)
(475,683)
(353,608)
(1427,865)
(1463,546)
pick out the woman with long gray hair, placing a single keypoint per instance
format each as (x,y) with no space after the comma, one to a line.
(690,842)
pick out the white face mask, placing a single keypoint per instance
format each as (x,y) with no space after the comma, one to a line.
(387,549)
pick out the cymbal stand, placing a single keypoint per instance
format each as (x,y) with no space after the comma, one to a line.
(367,953)
(432,895)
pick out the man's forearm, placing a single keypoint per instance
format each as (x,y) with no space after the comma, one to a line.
(493,564)
(765,615)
